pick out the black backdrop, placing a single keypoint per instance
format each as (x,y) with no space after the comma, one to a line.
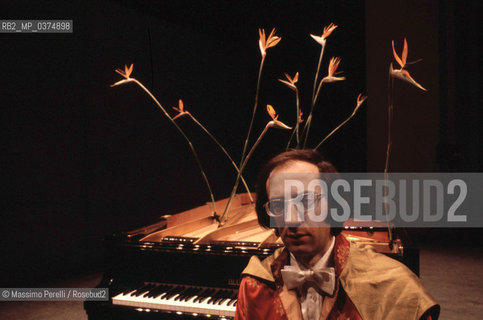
(81,159)
(84,160)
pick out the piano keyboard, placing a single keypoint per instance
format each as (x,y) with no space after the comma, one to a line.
(180,298)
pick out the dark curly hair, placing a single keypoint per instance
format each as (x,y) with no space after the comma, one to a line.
(306,155)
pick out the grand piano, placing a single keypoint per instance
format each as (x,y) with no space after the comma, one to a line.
(187,267)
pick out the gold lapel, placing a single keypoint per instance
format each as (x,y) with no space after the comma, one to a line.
(258,269)
(338,259)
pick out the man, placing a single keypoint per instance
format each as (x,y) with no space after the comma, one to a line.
(319,274)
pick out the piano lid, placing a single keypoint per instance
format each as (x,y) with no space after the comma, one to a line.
(242,229)
(198,224)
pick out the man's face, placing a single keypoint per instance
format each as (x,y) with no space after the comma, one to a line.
(306,240)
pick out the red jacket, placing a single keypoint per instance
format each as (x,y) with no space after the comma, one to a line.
(370,286)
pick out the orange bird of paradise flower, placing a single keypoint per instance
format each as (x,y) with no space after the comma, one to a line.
(300,120)
(265,43)
(291,81)
(126,74)
(333,65)
(180,110)
(275,123)
(360,100)
(271,112)
(327,31)
(402,73)
(127,71)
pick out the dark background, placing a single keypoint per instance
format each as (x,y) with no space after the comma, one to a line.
(81,160)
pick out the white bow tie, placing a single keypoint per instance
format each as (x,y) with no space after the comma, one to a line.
(323,278)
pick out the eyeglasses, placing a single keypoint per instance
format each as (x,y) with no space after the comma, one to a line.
(277,207)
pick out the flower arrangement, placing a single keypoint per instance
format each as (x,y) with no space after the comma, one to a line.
(300,130)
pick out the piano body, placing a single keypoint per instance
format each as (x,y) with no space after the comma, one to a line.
(185,267)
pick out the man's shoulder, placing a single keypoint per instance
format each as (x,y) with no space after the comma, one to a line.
(261,268)
(365,259)
(367,267)
(379,284)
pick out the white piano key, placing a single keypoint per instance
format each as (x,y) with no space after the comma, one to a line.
(171,304)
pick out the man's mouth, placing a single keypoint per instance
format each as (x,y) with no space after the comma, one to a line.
(297,236)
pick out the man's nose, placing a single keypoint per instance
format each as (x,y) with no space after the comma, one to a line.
(294,216)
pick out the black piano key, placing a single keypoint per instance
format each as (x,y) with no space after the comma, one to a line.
(225,297)
(219,297)
(145,290)
(198,295)
(234,295)
(196,292)
(162,291)
(127,291)
(151,293)
(149,290)
(139,290)
(193,292)
(169,291)
(206,295)
(213,296)
(233,298)
(182,293)
(212,293)
(177,290)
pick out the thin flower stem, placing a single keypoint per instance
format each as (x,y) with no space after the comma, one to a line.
(310,115)
(309,120)
(290,140)
(307,126)
(390,98)
(255,145)
(318,91)
(317,73)
(224,151)
(296,129)
(253,113)
(337,128)
(315,95)
(389,121)
(242,160)
(242,167)
(193,150)
(298,115)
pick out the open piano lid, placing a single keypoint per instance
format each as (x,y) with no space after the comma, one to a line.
(197,226)
(200,228)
